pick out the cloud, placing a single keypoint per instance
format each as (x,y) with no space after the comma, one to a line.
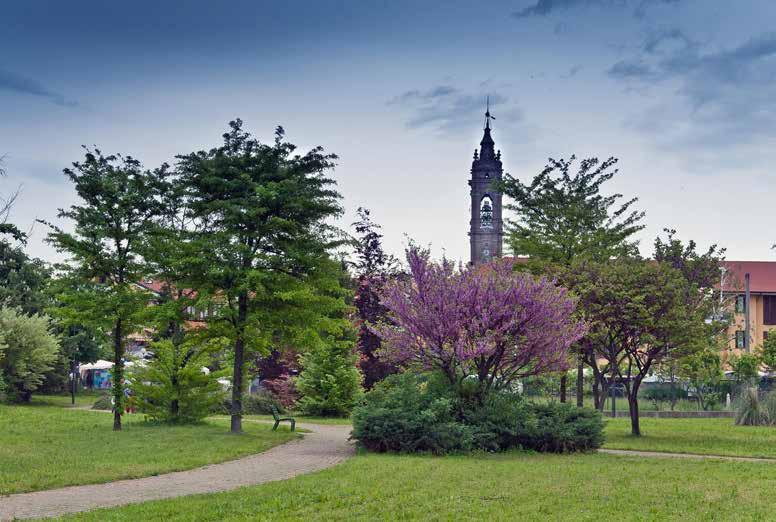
(445,108)
(13,82)
(724,96)
(547,7)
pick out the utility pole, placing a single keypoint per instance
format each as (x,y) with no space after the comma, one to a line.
(747,295)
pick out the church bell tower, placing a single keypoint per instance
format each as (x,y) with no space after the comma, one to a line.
(486,228)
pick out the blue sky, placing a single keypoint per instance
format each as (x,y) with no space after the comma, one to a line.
(682,91)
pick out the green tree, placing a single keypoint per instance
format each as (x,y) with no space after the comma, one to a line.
(703,372)
(175,385)
(636,317)
(701,271)
(330,382)
(118,202)
(562,217)
(261,212)
(745,367)
(23,280)
(28,349)
(768,353)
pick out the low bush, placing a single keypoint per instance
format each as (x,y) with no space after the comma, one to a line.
(259,403)
(103,402)
(411,413)
(563,428)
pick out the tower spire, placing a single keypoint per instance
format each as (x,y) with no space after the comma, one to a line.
(486,145)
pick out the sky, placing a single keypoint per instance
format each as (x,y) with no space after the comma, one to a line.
(681,91)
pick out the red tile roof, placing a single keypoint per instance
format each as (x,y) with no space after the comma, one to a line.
(762,276)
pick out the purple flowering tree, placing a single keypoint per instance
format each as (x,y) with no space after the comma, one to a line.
(487,322)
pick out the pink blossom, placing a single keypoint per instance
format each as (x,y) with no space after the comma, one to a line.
(486,321)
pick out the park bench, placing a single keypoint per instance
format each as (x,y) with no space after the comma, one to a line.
(279,419)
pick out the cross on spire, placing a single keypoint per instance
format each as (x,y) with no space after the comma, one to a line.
(488,117)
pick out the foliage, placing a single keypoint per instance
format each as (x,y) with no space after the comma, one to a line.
(411,412)
(373,269)
(703,372)
(562,217)
(753,411)
(103,402)
(259,403)
(23,280)
(659,394)
(119,200)
(637,315)
(28,349)
(173,386)
(283,390)
(563,428)
(330,382)
(261,244)
(745,367)
(768,353)
(487,321)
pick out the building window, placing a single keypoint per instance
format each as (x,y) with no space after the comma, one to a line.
(769,309)
(486,212)
(740,339)
(740,304)
(485,254)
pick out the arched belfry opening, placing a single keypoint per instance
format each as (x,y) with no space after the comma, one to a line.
(486,229)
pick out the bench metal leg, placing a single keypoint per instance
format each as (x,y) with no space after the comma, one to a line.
(275,427)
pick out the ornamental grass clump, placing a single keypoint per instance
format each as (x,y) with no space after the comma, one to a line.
(754,411)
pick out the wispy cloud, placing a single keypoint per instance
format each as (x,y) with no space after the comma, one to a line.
(547,7)
(445,108)
(13,82)
(725,95)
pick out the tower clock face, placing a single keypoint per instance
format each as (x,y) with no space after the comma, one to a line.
(485,254)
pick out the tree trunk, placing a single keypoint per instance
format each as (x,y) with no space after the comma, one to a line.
(633,407)
(563,386)
(580,382)
(237,370)
(73,383)
(118,375)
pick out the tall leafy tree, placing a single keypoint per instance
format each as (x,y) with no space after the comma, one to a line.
(262,211)
(118,203)
(374,268)
(23,280)
(701,271)
(562,216)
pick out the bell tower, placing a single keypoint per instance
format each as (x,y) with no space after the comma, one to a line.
(486,229)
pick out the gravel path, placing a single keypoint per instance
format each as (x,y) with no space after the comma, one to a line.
(325,446)
(662,454)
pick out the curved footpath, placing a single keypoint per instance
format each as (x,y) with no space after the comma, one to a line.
(324,447)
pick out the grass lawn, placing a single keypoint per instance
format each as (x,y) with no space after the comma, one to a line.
(44,446)
(702,436)
(514,486)
(83,399)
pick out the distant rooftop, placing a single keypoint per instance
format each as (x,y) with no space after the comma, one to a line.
(762,276)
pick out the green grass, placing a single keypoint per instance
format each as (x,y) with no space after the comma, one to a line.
(83,399)
(701,436)
(43,446)
(504,487)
